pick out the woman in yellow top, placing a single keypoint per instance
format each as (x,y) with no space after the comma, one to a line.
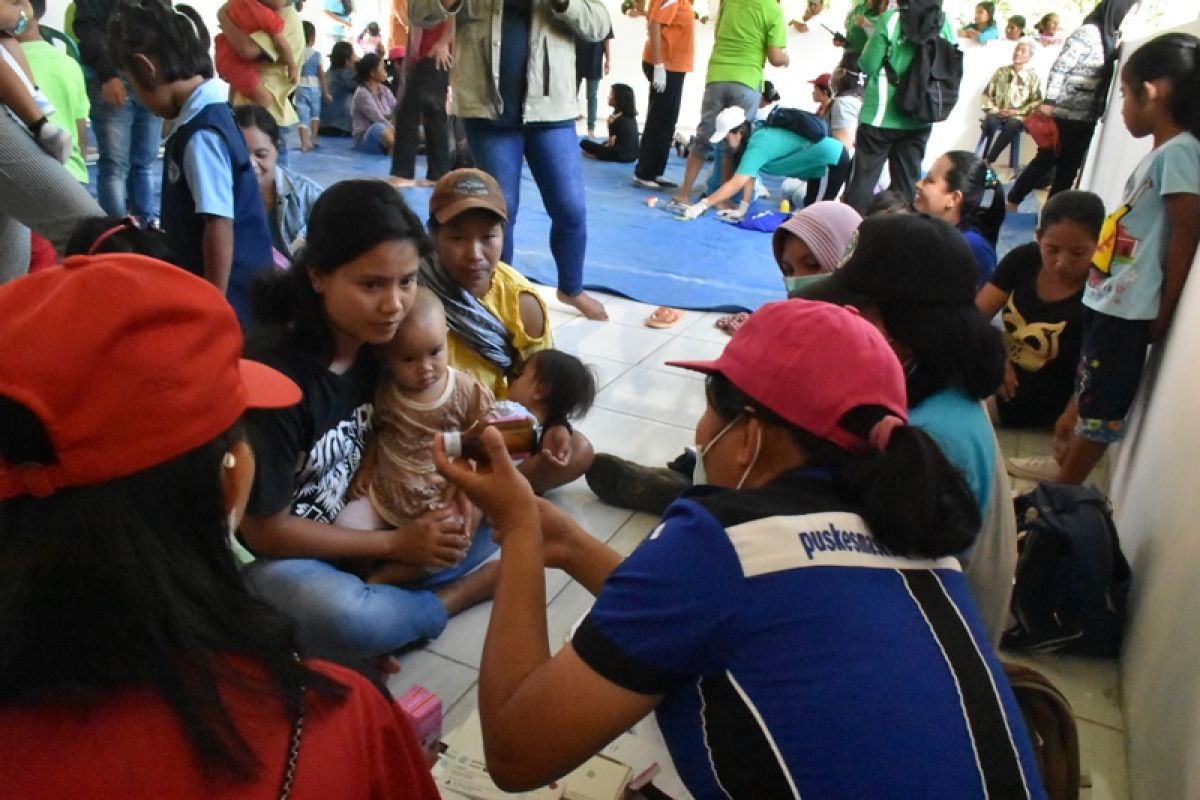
(496,317)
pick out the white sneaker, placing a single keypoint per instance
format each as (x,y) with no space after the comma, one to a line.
(645,184)
(1038,468)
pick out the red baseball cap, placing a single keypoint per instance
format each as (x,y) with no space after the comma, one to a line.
(822,80)
(128,362)
(810,363)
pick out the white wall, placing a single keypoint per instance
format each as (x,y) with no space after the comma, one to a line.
(1158,516)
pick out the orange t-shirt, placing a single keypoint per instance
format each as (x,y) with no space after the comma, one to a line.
(677,21)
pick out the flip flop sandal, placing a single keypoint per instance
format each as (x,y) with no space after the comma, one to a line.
(731,322)
(664,317)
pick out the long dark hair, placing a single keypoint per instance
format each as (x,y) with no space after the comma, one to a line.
(953,346)
(175,39)
(131,584)
(1107,17)
(1175,58)
(348,219)
(850,82)
(914,500)
(969,175)
(624,100)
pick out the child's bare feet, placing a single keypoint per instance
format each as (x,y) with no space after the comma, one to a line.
(585,304)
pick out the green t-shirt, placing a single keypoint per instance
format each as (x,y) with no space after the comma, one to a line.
(745,29)
(61,80)
(778,151)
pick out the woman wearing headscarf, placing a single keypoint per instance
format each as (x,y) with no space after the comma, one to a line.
(1076,92)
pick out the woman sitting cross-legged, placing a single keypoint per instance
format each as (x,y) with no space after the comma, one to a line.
(345,295)
(805,586)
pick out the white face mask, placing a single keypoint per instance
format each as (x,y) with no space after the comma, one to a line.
(700,474)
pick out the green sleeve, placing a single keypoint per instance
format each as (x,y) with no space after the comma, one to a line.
(777,32)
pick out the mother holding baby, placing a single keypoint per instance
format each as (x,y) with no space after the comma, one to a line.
(347,292)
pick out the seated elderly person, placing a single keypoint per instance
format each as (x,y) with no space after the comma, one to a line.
(1013,92)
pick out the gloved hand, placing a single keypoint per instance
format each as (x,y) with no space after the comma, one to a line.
(659,81)
(55,141)
(695,210)
(734,215)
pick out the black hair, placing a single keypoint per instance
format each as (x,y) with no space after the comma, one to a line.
(1082,208)
(39,8)
(889,201)
(952,346)
(125,237)
(569,383)
(1019,21)
(744,131)
(1043,23)
(971,176)
(850,82)
(348,219)
(990,8)
(175,39)
(769,93)
(131,584)
(365,67)
(310,32)
(1175,58)
(1108,16)
(250,115)
(340,55)
(914,500)
(624,100)
(373,28)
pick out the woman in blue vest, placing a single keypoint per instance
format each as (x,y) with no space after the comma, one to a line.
(797,621)
(212,211)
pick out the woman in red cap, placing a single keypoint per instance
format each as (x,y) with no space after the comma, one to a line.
(797,620)
(135,663)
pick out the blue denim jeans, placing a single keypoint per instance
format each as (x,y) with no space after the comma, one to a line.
(554,160)
(128,139)
(343,619)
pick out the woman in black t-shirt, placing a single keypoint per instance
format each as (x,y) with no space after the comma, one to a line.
(622,143)
(348,290)
(1038,290)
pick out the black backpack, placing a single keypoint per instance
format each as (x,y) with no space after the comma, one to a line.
(798,121)
(929,90)
(1072,579)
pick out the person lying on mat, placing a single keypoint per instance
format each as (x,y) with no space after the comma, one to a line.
(497,319)
(752,149)
(802,449)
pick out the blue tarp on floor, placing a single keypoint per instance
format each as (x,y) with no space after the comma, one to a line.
(633,250)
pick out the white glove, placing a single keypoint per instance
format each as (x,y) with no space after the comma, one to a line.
(659,81)
(55,141)
(734,215)
(695,210)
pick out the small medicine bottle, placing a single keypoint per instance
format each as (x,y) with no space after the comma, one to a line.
(520,438)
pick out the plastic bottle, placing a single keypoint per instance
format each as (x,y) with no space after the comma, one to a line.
(520,438)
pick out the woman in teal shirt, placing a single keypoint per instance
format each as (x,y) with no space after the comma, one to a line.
(776,151)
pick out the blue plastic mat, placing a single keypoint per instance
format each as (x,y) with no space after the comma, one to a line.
(633,250)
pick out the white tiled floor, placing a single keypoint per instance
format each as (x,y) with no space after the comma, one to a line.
(646,411)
